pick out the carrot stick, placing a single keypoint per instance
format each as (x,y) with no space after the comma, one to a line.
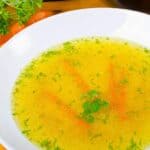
(70,113)
(1,147)
(117,93)
(5,38)
(16,27)
(39,16)
(77,77)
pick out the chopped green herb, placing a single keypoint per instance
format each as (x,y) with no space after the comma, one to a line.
(146,50)
(14,114)
(110,147)
(144,70)
(112,56)
(68,46)
(27,75)
(26,121)
(33,91)
(4,19)
(124,81)
(90,95)
(89,118)
(46,144)
(26,132)
(92,105)
(140,91)
(133,145)
(57,148)
(40,75)
(56,77)
(95,136)
(50,53)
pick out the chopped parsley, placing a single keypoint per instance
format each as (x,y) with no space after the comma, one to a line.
(49,145)
(40,75)
(92,105)
(133,145)
(124,81)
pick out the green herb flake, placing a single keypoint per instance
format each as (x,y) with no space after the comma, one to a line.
(124,81)
(24,9)
(26,121)
(26,132)
(69,48)
(110,147)
(40,75)
(91,95)
(96,136)
(92,105)
(4,20)
(57,148)
(50,53)
(46,144)
(133,145)
(140,91)
(146,50)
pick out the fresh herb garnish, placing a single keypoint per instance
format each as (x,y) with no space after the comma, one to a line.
(26,132)
(134,145)
(49,145)
(90,95)
(124,81)
(46,144)
(40,75)
(4,19)
(23,9)
(92,105)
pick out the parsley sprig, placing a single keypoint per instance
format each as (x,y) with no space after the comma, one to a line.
(92,105)
(22,11)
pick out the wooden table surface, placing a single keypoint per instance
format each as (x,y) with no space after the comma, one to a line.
(61,6)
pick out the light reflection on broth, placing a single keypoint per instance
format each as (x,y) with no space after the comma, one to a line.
(86,94)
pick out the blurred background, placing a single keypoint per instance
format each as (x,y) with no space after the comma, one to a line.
(142,5)
(10,23)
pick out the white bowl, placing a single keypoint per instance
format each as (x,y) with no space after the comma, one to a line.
(16,53)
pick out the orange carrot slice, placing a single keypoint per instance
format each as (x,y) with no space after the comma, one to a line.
(76,76)
(69,112)
(117,93)
(5,38)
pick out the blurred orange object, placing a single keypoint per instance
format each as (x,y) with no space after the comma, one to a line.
(4,38)
(16,27)
(38,16)
(2,148)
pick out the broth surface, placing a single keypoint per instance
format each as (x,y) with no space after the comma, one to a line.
(86,94)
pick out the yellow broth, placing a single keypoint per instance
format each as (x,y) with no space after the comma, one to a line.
(86,94)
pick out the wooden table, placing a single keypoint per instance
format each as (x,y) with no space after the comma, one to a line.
(61,6)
